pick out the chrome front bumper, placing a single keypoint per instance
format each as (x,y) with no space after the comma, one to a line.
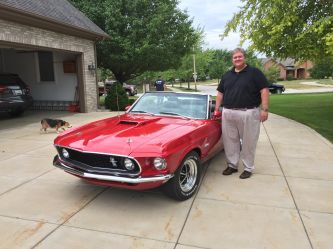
(59,164)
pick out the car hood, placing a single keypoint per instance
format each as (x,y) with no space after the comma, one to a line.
(127,133)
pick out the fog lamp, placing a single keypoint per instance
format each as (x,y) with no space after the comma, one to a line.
(65,153)
(128,163)
(160,163)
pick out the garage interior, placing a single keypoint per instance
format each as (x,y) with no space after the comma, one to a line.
(52,75)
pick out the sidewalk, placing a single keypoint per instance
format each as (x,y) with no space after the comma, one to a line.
(318,88)
(286,204)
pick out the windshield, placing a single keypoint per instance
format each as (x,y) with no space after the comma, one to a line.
(173,104)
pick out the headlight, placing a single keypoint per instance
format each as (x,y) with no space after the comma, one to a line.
(128,163)
(65,153)
(160,163)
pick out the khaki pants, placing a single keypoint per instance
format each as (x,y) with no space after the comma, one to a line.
(237,126)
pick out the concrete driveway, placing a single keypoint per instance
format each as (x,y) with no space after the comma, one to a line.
(286,204)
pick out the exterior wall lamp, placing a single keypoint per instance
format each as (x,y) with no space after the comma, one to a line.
(92,67)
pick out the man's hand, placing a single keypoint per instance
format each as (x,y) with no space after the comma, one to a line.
(263,115)
(264,93)
(217,115)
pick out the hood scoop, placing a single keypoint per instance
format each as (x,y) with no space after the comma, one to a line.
(128,122)
(138,121)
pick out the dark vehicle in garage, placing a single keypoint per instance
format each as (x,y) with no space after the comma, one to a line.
(15,95)
(276,88)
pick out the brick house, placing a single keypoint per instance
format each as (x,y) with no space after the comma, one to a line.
(51,45)
(289,68)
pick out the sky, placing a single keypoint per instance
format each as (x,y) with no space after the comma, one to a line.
(212,16)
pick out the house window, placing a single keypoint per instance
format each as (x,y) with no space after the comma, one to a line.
(46,69)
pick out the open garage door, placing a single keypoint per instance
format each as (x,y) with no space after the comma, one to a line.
(53,76)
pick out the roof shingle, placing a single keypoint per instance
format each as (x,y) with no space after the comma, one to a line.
(60,11)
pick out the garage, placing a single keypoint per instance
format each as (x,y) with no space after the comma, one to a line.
(51,46)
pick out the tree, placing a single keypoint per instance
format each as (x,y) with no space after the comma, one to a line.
(301,29)
(219,63)
(145,35)
(210,62)
(103,74)
(323,68)
(186,69)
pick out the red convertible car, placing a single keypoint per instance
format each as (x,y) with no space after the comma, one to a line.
(162,139)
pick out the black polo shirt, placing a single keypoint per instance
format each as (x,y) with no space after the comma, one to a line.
(159,84)
(242,89)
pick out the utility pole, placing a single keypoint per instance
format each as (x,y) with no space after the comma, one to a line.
(194,71)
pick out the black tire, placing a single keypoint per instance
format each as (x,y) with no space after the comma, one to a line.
(186,180)
(16,112)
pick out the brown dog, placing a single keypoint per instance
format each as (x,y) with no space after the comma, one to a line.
(54,123)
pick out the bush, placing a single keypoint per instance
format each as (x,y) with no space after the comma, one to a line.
(102,100)
(272,74)
(131,101)
(117,99)
(289,77)
(323,68)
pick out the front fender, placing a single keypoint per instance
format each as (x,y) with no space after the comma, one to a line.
(176,151)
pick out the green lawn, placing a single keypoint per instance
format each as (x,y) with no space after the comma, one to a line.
(326,81)
(313,110)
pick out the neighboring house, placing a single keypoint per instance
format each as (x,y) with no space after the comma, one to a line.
(51,45)
(289,68)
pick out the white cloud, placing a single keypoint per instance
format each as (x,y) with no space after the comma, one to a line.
(213,40)
(212,16)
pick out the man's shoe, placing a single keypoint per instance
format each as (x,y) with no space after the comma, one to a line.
(245,174)
(229,171)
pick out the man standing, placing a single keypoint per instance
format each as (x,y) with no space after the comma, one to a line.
(244,93)
(159,84)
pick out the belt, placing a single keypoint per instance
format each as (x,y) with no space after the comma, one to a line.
(242,109)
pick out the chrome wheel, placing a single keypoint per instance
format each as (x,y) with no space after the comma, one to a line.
(187,178)
(188,175)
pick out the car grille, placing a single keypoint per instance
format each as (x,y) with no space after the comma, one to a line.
(98,163)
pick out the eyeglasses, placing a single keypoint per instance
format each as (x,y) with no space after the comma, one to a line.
(238,57)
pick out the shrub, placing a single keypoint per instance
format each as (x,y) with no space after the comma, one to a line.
(102,100)
(131,101)
(290,77)
(323,68)
(116,99)
(272,74)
